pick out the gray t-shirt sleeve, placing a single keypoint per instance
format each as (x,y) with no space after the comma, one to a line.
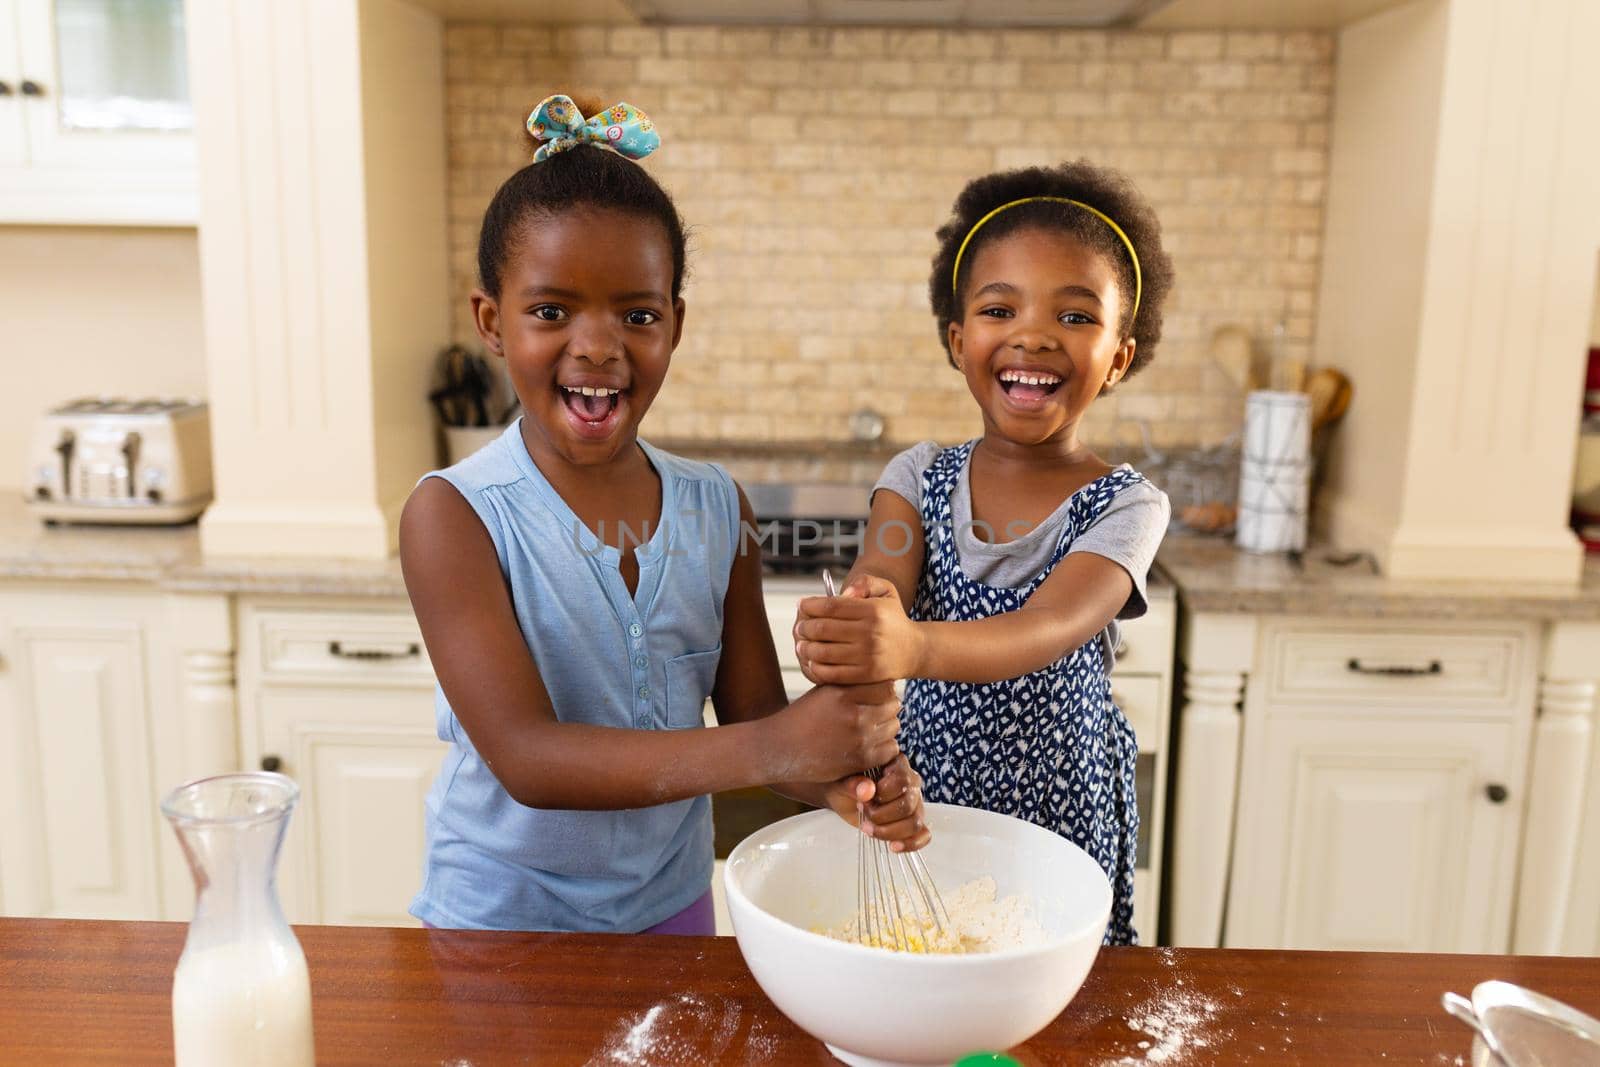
(903,475)
(1128,533)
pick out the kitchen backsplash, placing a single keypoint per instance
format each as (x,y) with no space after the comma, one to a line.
(813,165)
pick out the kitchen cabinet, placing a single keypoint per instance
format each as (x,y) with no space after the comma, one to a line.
(76,701)
(339,696)
(1376,833)
(1367,761)
(1141,685)
(95,121)
(108,697)
(1558,902)
(1382,783)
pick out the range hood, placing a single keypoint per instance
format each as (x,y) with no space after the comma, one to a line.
(1060,13)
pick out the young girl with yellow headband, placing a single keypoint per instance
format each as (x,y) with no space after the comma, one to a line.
(993,573)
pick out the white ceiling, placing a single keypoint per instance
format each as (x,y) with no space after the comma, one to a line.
(1145,14)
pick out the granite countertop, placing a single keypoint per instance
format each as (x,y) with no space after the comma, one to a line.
(1214,576)
(169,557)
(1210,573)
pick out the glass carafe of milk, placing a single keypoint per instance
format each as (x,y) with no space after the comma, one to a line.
(240,996)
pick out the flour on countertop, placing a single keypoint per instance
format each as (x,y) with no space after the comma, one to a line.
(676,1031)
(1174,1024)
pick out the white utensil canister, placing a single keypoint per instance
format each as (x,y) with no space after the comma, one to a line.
(462,441)
(1275,472)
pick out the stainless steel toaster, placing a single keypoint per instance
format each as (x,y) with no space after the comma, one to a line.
(103,459)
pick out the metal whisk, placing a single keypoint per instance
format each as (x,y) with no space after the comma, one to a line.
(897,901)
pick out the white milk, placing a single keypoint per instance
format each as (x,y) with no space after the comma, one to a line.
(243,1005)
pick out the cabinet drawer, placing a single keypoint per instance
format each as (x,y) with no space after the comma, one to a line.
(1145,644)
(1422,667)
(780,619)
(363,647)
(795,684)
(1139,697)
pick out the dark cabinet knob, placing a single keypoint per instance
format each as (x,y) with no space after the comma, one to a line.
(1496,793)
(32,88)
(5,88)
(271,763)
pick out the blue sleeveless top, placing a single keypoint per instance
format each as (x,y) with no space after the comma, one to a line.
(645,661)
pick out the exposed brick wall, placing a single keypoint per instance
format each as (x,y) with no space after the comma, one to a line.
(813,166)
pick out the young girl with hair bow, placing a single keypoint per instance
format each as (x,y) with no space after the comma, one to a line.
(582,593)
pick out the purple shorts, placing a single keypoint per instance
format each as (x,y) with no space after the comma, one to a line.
(697,920)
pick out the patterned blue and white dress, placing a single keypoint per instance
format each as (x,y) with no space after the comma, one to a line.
(1049,747)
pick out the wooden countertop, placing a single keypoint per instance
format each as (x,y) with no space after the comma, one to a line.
(74,992)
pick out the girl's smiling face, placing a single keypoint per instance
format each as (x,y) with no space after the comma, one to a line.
(1039,336)
(587,323)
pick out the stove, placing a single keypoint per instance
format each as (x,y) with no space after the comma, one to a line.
(805,528)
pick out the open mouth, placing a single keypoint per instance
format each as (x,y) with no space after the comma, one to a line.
(1028,385)
(592,408)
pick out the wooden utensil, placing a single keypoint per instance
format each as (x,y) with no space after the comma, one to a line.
(1329,391)
(1233,351)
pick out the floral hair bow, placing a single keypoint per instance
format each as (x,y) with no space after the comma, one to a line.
(622,128)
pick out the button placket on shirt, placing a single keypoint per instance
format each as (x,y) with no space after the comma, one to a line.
(641,676)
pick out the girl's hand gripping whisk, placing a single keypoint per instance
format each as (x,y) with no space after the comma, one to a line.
(898,904)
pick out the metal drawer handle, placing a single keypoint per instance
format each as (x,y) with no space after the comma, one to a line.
(336,649)
(1397,670)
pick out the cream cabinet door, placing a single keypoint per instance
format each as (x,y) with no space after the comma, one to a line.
(97,126)
(365,761)
(78,807)
(1396,835)
(339,696)
(13,134)
(1141,699)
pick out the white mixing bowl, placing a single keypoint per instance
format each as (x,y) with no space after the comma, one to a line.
(874,1007)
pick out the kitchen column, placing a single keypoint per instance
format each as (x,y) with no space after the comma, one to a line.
(1457,279)
(320,126)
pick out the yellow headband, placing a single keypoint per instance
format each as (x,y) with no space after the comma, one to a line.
(1138,279)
